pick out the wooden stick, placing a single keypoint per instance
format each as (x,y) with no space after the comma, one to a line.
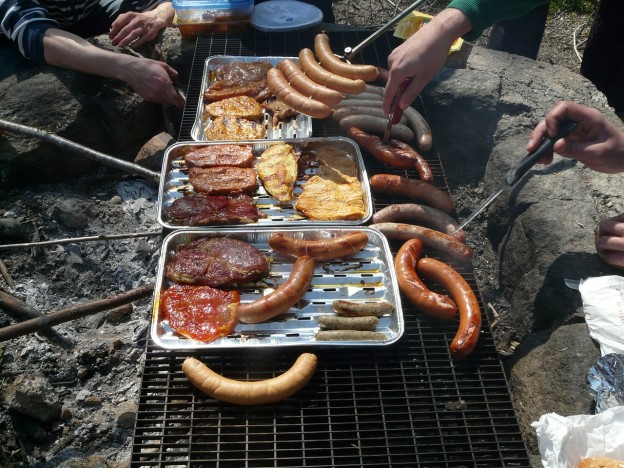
(74,312)
(69,145)
(73,240)
(4,271)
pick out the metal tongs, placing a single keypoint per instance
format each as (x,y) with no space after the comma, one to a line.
(350,52)
(395,111)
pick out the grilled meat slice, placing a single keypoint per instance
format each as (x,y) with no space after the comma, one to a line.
(201,209)
(234,128)
(218,262)
(223,180)
(238,106)
(277,169)
(220,155)
(259,90)
(335,192)
(279,111)
(238,73)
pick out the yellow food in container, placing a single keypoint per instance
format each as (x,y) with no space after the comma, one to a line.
(416,20)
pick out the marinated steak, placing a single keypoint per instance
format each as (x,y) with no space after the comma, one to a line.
(238,106)
(201,209)
(234,128)
(220,155)
(217,262)
(277,169)
(239,73)
(223,180)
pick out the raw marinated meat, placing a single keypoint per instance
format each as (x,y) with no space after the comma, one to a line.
(201,209)
(220,155)
(223,180)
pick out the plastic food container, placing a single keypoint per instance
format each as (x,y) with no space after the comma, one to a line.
(217,16)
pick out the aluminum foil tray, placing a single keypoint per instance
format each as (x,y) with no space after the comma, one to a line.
(174,183)
(365,276)
(295,127)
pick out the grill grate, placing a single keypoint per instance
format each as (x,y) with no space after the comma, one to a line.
(409,404)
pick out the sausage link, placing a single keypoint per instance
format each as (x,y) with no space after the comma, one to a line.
(336,322)
(387,154)
(362,309)
(290,96)
(370,123)
(429,237)
(302,83)
(422,166)
(365,96)
(411,188)
(469,311)
(332,63)
(422,298)
(403,212)
(321,250)
(343,112)
(311,68)
(283,298)
(349,335)
(350,102)
(420,127)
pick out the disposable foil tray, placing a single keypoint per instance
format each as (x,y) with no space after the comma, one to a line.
(299,126)
(366,276)
(174,183)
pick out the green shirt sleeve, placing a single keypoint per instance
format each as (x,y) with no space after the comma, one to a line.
(484,13)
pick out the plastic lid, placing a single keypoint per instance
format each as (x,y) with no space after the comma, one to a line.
(284,15)
(211,4)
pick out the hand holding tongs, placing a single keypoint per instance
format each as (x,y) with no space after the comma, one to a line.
(350,52)
(395,111)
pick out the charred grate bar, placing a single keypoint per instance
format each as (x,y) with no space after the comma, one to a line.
(409,404)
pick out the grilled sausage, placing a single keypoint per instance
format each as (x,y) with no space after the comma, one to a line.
(293,98)
(339,114)
(429,237)
(349,335)
(283,298)
(469,311)
(321,250)
(336,322)
(332,63)
(389,154)
(411,188)
(362,309)
(422,166)
(422,298)
(302,83)
(260,392)
(403,212)
(420,127)
(370,123)
(311,68)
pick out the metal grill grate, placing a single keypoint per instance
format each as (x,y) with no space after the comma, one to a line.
(409,404)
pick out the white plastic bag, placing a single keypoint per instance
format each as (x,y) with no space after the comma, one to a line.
(603,303)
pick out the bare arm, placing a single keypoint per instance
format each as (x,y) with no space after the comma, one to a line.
(151,79)
(423,54)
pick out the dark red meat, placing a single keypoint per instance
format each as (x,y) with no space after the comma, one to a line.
(223,180)
(201,209)
(220,155)
(217,262)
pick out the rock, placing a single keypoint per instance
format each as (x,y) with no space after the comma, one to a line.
(71,213)
(152,152)
(126,414)
(33,396)
(93,400)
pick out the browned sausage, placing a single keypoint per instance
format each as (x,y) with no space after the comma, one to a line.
(322,249)
(290,96)
(283,298)
(332,63)
(412,188)
(311,67)
(420,127)
(422,298)
(461,292)
(370,123)
(422,166)
(306,86)
(429,237)
(390,154)
(403,212)
(362,309)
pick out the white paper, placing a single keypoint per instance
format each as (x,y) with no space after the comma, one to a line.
(564,441)
(603,303)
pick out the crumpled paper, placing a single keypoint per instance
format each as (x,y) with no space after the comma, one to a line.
(606,382)
(564,441)
(603,303)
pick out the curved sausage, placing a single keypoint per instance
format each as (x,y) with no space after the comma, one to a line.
(283,298)
(393,154)
(429,237)
(322,249)
(422,298)
(362,309)
(365,96)
(401,212)
(290,96)
(469,311)
(411,188)
(341,113)
(370,123)
(332,63)
(420,127)
(350,102)
(311,67)
(259,392)
(302,83)
(373,89)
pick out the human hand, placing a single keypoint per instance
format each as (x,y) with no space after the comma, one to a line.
(595,142)
(610,240)
(422,55)
(153,81)
(135,29)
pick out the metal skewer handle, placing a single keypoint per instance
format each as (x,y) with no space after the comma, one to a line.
(352,52)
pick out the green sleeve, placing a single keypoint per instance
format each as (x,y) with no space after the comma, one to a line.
(484,13)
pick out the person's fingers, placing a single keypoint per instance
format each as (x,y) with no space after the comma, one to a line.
(612,227)
(412,91)
(615,259)
(537,136)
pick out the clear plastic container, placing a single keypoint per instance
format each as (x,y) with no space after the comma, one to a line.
(217,16)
